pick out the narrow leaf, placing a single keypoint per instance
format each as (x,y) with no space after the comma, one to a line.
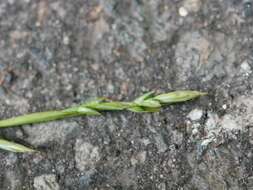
(144,97)
(139,109)
(87,111)
(35,118)
(14,147)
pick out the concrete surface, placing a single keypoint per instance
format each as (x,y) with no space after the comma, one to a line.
(57,53)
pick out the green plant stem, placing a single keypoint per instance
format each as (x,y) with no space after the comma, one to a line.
(34,118)
(148,102)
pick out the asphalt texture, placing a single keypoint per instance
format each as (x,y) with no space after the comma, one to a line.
(59,53)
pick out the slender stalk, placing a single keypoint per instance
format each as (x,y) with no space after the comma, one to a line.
(148,102)
(34,118)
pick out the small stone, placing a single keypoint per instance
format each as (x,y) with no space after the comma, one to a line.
(224,106)
(206,142)
(95,66)
(177,137)
(11,159)
(110,87)
(183,12)
(195,131)
(160,144)
(162,186)
(228,122)
(11,2)
(19,134)
(94,13)
(52,131)
(145,141)
(192,5)
(86,155)
(195,115)
(141,156)
(212,121)
(66,40)
(46,182)
(133,161)
(245,67)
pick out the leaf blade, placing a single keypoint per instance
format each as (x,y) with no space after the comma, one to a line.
(144,97)
(35,118)
(87,111)
(14,147)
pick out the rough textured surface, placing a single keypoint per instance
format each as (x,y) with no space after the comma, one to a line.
(61,52)
(48,132)
(86,155)
(46,182)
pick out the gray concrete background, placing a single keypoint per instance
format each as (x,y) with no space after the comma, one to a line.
(58,53)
